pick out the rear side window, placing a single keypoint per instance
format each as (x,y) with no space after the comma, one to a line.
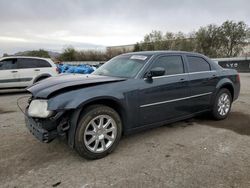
(173,64)
(8,64)
(25,63)
(197,64)
(42,63)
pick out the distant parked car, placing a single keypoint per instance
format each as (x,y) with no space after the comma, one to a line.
(131,92)
(20,72)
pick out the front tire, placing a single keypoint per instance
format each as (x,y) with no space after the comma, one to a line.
(222,104)
(98,132)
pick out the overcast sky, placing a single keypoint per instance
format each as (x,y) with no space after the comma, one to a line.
(55,24)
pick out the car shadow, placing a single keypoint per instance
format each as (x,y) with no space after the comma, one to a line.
(3,111)
(8,92)
(236,121)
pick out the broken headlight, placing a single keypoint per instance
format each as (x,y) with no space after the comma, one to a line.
(39,109)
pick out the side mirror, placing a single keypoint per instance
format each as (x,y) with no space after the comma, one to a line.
(157,71)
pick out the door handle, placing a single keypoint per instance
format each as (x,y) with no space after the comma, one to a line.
(214,76)
(182,79)
(14,71)
(37,69)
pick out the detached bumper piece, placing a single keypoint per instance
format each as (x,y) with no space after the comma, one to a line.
(40,133)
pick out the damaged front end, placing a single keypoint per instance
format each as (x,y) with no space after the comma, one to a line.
(44,124)
(55,104)
(47,129)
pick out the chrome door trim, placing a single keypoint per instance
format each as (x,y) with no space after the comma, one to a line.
(174,100)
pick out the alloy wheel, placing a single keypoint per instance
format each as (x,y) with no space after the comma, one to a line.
(224,104)
(100,133)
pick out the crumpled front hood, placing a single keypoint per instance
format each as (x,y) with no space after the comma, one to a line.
(65,82)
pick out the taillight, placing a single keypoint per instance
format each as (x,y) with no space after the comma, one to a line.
(238,78)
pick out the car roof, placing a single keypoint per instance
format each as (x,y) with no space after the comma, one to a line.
(162,52)
(29,57)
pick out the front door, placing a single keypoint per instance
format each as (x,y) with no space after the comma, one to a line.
(161,98)
(9,74)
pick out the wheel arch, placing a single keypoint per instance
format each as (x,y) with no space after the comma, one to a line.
(45,75)
(76,114)
(230,87)
(224,83)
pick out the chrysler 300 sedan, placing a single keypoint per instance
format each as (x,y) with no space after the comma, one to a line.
(129,93)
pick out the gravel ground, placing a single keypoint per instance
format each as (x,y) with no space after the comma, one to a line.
(195,153)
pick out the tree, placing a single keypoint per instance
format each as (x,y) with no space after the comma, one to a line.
(137,47)
(234,35)
(5,55)
(153,41)
(170,41)
(226,40)
(37,53)
(208,40)
(69,54)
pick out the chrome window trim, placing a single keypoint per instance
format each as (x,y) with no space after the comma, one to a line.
(165,76)
(174,100)
(187,73)
(202,72)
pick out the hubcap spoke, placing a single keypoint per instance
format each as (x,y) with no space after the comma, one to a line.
(91,140)
(108,137)
(90,133)
(101,122)
(107,124)
(103,144)
(96,145)
(110,129)
(94,124)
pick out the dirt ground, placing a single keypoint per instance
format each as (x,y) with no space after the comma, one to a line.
(195,153)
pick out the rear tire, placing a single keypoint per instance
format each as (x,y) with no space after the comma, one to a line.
(222,104)
(98,132)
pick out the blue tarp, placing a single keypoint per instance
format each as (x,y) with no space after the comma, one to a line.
(80,69)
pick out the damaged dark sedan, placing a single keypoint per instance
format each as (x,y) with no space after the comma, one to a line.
(129,93)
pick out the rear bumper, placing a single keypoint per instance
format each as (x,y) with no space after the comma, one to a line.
(236,91)
(36,128)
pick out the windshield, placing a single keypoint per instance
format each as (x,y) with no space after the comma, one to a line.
(126,66)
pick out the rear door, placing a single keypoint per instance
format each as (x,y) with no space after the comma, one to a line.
(44,67)
(9,75)
(161,98)
(27,71)
(202,83)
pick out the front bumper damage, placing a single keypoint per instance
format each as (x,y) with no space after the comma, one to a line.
(46,130)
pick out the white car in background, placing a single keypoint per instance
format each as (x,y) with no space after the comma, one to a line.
(20,72)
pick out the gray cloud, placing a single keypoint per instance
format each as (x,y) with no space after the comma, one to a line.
(28,24)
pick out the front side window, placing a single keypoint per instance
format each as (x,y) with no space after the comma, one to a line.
(173,64)
(125,66)
(197,64)
(26,63)
(8,64)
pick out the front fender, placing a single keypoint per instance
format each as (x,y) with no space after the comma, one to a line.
(77,98)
